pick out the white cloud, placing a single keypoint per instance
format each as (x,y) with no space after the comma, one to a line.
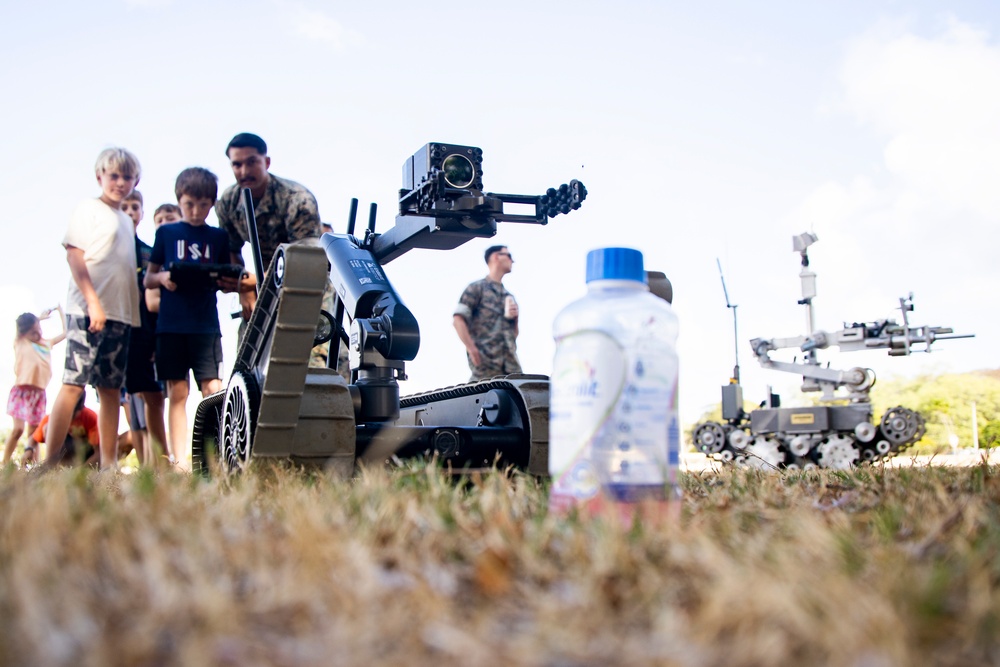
(316,25)
(937,101)
(933,102)
(922,219)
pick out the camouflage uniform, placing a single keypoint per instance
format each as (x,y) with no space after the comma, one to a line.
(481,306)
(287,212)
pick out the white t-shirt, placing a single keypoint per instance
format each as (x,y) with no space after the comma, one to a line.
(107,238)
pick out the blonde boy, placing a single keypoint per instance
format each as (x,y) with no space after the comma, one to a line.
(102,303)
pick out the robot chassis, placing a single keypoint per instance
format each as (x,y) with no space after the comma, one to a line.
(828,436)
(276,406)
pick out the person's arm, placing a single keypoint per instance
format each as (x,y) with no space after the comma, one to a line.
(248,295)
(220,248)
(230,284)
(467,306)
(155,275)
(31,452)
(62,320)
(157,278)
(462,327)
(247,287)
(226,210)
(152,299)
(303,220)
(514,317)
(81,276)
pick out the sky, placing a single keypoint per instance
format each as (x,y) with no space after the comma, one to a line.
(707,134)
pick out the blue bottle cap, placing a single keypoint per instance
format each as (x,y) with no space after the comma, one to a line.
(615,264)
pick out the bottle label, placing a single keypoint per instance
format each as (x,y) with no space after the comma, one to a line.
(612,419)
(588,378)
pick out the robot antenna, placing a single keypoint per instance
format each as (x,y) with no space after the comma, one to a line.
(736,337)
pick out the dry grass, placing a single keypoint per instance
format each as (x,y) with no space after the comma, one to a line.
(870,568)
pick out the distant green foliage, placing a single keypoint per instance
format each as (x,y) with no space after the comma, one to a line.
(945,401)
(989,434)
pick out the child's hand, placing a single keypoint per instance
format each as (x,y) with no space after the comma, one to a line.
(475,356)
(166,282)
(228,284)
(247,302)
(97,317)
(248,282)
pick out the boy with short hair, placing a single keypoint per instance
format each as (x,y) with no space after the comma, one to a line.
(102,304)
(188,336)
(163,215)
(167,213)
(145,392)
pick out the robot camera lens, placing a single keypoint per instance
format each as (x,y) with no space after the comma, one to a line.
(458,171)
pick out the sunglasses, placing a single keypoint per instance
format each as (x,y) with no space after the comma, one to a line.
(506,254)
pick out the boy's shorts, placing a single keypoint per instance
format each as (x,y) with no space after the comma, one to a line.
(176,354)
(97,359)
(140,374)
(136,412)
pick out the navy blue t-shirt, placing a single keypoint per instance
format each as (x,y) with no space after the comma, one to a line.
(190,310)
(147,330)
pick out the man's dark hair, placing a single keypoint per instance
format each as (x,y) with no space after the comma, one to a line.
(247,140)
(80,403)
(197,182)
(492,249)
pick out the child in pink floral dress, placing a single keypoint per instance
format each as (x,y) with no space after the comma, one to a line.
(33,368)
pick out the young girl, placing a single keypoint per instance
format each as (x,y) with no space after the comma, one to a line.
(33,368)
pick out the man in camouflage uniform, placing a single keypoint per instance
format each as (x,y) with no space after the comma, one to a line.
(284,210)
(488,332)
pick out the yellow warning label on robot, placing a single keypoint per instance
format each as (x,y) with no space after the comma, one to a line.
(804,418)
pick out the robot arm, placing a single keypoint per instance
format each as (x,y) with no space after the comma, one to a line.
(441,206)
(900,340)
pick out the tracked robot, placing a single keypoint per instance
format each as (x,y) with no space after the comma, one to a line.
(276,406)
(839,432)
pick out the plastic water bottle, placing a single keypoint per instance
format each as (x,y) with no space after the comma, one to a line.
(614,435)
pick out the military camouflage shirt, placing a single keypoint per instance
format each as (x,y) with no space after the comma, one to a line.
(481,306)
(287,212)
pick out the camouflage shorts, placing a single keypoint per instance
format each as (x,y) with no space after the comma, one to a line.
(98,359)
